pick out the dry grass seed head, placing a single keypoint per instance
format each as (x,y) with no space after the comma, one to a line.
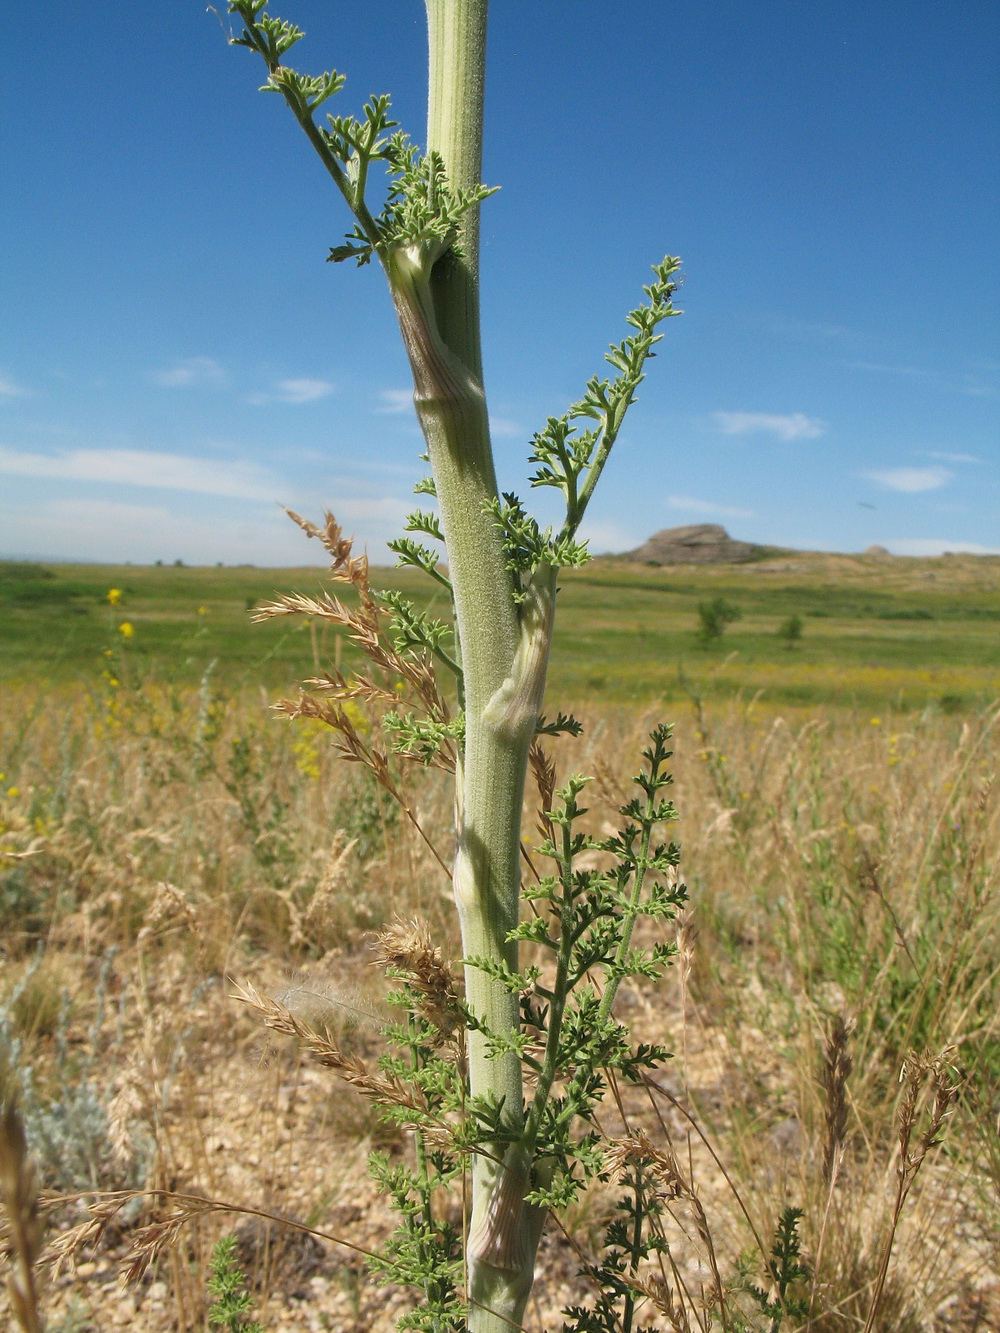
(660,1292)
(543,770)
(65,1246)
(406,947)
(384,1089)
(129,1104)
(837,1066)
(169,908)
(332,881)
(346,566)
(364,627)
(637,1149)
(941,1079)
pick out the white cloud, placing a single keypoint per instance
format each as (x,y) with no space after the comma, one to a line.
(104,530)
(9,388)
(303,391)
(134,467)
(957,382)
(911,480)
(794,426)
(505,429)
(808,330)
(293,391)
(949,458)
(100,529)
(936,546)
(396,401)
(196,372)
(880,368)
(368,510)
(601,537)
(690,505)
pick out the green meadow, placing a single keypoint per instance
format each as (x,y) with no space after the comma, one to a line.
(876,633)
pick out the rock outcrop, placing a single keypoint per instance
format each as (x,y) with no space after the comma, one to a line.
(695,544)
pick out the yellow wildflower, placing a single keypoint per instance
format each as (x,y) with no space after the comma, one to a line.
(114,596)
(308,746)
(356,716)
(203,610)
(876,721)
(13,791)
(126,629)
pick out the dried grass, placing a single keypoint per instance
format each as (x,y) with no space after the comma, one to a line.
(844,915)
(25,1226)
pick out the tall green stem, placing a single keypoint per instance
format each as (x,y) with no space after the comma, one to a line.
(504,654)
(456,36)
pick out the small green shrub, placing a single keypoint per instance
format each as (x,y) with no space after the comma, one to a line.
(791,630)
(713,617)
(228,1284)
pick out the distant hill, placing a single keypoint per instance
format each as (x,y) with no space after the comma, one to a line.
(697,544)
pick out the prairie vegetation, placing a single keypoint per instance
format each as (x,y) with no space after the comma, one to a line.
(875,633)
(164,839)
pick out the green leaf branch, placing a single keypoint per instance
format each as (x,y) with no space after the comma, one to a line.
(572,459)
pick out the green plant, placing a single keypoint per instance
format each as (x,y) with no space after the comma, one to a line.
(506,1075)
(781,1303)
(567,1040)
(502,572)
(652,1184)
(713,617)
(67,1119)
(791,630)
(227,1284)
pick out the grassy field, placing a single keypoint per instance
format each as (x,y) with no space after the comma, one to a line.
(876,633)
(162,835)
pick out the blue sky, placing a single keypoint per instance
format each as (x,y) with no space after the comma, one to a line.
(176,359)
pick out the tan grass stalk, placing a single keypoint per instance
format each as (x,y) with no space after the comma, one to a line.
(25,1226)
(917,1072)
(652,1087)
(374,757)
(150,1241)
(637,1147)
(659,1292)
(837,1065)
(384,1089)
